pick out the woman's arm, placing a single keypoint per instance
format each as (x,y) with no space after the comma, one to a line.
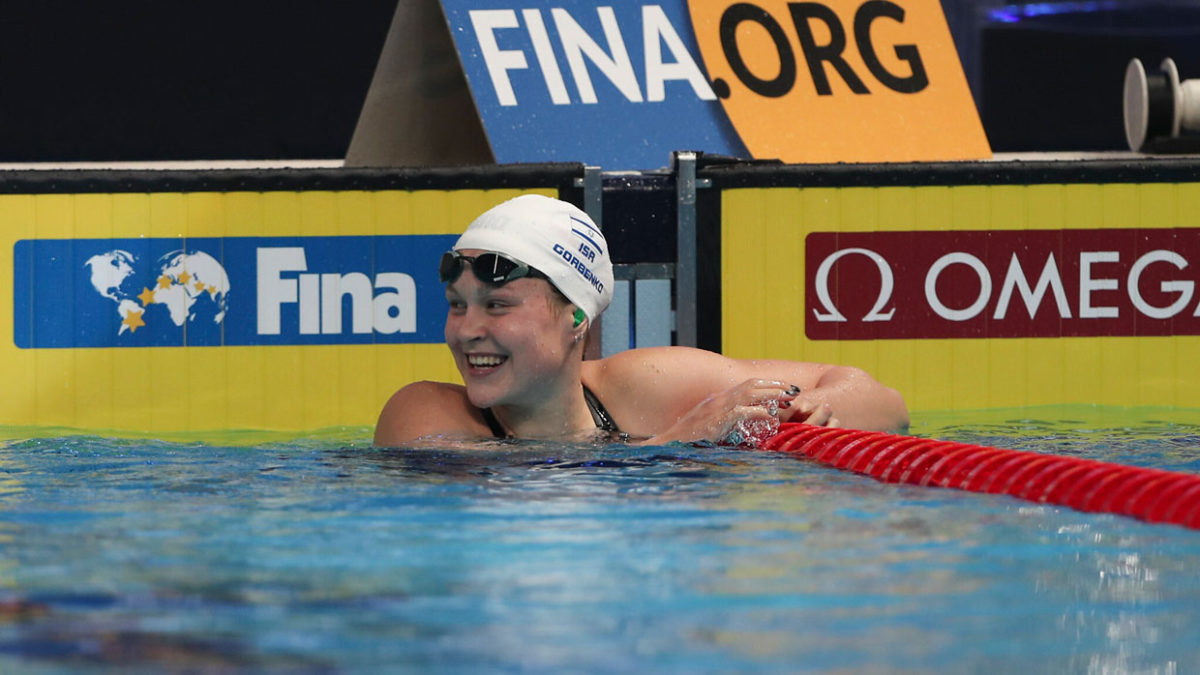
(841,396)
(678,393)
(855,400)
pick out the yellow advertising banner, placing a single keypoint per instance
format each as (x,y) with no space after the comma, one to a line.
(186,311)
(973,296)
(840,80)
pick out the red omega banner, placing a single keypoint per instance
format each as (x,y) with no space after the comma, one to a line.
(1002,284)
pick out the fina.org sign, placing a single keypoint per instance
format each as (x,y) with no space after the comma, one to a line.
(160,292)
(1001,284)
(624,84)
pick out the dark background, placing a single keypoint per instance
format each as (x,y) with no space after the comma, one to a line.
(126,80)
(109,80)
(1055,81)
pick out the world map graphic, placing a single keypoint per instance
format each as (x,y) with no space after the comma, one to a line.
(190,286)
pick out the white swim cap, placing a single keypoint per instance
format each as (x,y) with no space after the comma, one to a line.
(553,237)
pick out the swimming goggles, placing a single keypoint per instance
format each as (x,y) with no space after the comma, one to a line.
(493,269)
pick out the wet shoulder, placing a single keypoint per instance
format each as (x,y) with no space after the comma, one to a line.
(427,408)
(646,390)
(658,366)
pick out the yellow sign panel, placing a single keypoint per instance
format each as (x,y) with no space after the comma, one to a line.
(87,343)
(840,80)
(971,297)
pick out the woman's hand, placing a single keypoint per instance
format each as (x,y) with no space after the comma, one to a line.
(808,409)
(744,414)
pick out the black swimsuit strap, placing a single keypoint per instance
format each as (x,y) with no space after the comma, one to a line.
(493,423)
(600,416)
(599,413)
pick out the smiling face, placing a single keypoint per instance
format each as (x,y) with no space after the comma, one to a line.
(512,343)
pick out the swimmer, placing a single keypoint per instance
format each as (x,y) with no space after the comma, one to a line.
(524,284)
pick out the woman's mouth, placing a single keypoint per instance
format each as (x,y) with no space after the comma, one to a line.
(484,361)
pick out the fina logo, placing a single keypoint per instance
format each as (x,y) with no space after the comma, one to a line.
(580,48)
(188,285)
(319,297)
(195,287)
(195,284)
(226,291)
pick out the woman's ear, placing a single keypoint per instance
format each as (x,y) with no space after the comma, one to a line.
(578,318)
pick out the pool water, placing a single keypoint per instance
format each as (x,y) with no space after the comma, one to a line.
(324,555)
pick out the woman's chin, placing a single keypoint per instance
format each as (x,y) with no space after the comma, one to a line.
(482,397)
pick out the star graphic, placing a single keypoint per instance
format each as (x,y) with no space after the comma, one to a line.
(146,296)
(164,281)
(184,277)
(199,286)
(134,320)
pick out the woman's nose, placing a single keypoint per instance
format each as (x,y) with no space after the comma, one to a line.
(468,326)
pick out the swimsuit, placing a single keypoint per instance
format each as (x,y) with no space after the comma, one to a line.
(600,416)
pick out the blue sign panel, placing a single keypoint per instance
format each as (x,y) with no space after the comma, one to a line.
(228,291)
(619,85)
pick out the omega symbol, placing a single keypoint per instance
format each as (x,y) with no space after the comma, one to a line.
(887,282)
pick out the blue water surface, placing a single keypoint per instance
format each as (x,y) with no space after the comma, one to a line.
(325,555)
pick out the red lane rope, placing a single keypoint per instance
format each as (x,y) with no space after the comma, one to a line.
(1152,495)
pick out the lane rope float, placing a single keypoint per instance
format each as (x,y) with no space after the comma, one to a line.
(1153,495)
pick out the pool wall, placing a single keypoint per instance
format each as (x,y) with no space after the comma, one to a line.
(168,301)
(971,285)
(297,299)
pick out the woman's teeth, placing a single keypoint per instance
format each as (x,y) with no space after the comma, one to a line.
(482,361)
